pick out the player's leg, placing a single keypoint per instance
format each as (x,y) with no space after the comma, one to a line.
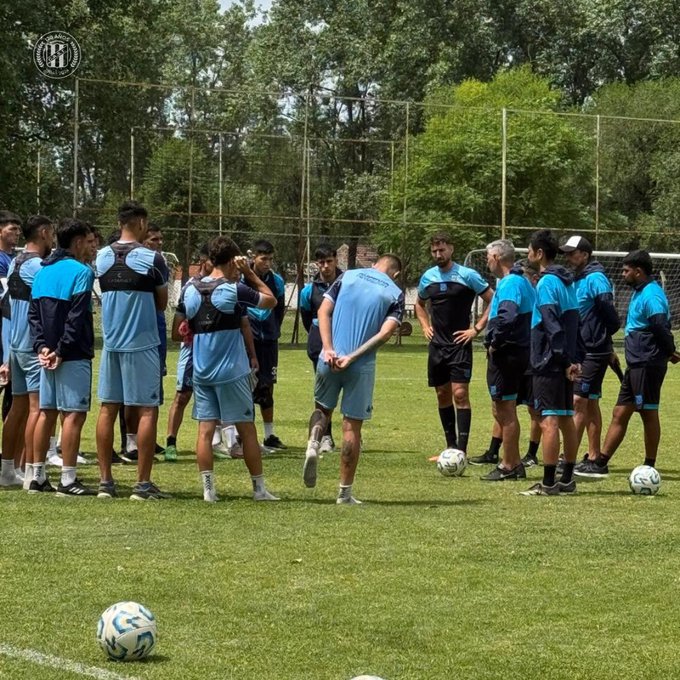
(439,377)
(491,455)
(12,440)
(268,359)
(204,458)
(594,429)
(110,393)
(130,419)
(506,417)
(581,415)
(45,423)
(652,430)
(460,373)
(175,418)
(69,484)
(349,459)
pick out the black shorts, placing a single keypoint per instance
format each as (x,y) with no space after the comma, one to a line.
(589,385)
(449,364)
(267,353)
(525,395)
(505,372)
(553,395)
(641,387)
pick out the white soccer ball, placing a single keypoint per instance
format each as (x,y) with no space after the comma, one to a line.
(644,480)
(452,462)
(127,631)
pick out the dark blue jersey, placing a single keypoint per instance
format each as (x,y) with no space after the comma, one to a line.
(510,314)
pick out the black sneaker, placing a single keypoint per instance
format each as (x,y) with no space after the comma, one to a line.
(147,492)
(499,474)
(590,468)
(40,487)
(487,458)
(107,490)
(273,442)
(129,456)
(567,487)
(530,460)
(116,459)
(539,490)
(74,489)
(159,449)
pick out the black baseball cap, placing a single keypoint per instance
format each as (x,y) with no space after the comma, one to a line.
(577,243)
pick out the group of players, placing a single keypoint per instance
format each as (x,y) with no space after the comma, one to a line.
(548,338)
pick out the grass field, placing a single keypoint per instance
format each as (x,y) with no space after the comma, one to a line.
(432,578)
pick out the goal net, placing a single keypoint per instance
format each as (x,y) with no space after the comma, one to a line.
(666,271)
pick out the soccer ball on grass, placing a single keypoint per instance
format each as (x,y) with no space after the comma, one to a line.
(452,462)
(127,631)
(644,480)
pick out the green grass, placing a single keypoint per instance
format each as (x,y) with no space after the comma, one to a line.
(432,578)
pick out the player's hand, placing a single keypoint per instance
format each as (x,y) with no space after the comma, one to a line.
(254,364)
(463,337)
(675,358)
(185,332)
(5,374)
(329,356)
(50,361)
(42,357)
(242,264)
(573,372)
(428,331)
(341,363)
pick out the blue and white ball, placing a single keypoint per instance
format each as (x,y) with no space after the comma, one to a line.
(452,462)
(127,631)
(644,480)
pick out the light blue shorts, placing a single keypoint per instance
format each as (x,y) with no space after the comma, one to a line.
(231,402)
(25,369)
(185,370)
(130,378)
(67,388)
(357,390)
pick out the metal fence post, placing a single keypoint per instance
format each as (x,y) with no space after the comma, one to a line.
(504,172)
(220,182)
(75,148)
(132,163)
(597,180)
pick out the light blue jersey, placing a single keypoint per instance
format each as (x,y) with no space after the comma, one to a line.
(128,275)
(364,299)
(214,308)
(22,271)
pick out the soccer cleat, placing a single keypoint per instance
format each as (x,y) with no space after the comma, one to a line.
(264,496)
(40,487)
(210,497)
(158,449)
(311,462)
(539,490)
(530,460)
(591,469)
(349,500)
(273,442)
(567,487)
(236,451)
(74,489)
(327,444)
(81,460)
(487,458)
(433,459)
(147,492)
(209,493)
(499,474)
(53,458)
(220,451)
(129,456)
(11,480)
(116,459)
(107,490)
(170,454)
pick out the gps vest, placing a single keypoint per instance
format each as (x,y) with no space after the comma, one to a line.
(209,319)
(123,277)
(16,286)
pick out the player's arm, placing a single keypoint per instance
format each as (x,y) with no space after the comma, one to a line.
(36,327)
(249,341)
(78,315)
(380,338)
(305,304)
(324,315)
(180,316)
(160,274)
(266,299)
(280,309)
(465,336)
(603,301)
(508,311)
(423,317)
(660,329)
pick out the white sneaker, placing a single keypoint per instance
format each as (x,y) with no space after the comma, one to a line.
(350,500)
(81,460)
(10,480)
(210,497)
(53,458)
(266,450)
(311,462)
(20,474)
(264,496)
(327,444)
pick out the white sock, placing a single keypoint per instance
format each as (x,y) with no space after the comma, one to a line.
(68,475)
(53,446)
(229,435)
(28,475)
(208,479)
(131,444)
(7,469)
(345,491)
(39,472)
(258,483)
(268,429)
(217,436)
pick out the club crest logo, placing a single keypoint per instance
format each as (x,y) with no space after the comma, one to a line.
(57,54)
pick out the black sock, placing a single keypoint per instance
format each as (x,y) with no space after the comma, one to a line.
(329,429)
(533,449)
(495,445)
(650,461)
(448,417)
(567,473)
(171,441)
(549,475)
(602,459)
(463,418)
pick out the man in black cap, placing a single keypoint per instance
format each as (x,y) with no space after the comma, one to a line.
(599,321)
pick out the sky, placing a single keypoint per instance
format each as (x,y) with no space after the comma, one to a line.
(262,4)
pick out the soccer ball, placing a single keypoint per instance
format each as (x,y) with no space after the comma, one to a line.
(644,480)
(452,462)
(127,631)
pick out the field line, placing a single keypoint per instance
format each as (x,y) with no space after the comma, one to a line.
(62,664)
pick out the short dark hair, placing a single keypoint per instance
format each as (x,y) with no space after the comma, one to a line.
(545,240)
(324,251)
(131,210)
(204,250)
(33,223)
(70,228)
(263,247)
(393,261)
(152,227)
(221,249)
(7,217)
(441,237)
(641,259)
